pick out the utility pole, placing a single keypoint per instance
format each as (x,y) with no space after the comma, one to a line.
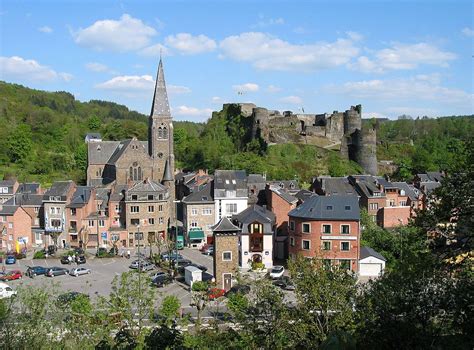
(97,231)
(140,267)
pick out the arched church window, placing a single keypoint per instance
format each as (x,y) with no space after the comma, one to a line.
(140,173)
(135,174)
(160,133)
(165,133)
(131,173)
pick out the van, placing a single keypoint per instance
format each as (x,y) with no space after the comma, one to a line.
(6,291)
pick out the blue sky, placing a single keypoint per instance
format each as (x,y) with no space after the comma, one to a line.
(393,57)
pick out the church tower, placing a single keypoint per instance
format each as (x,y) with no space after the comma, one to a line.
(160,131)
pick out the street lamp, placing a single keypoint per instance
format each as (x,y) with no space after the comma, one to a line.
(97,231)
(139,276)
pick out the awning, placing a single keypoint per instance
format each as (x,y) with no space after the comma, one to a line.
(197,234)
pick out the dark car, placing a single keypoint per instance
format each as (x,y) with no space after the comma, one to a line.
(181,264)
(162,279)
(80,259)
(284,282)
(68,297)
(57,271)
(34,271)
(238,289)
(66,259)
(209,250)
(10,259)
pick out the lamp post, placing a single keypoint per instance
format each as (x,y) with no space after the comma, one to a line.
(176,237)
(97,231)
(139,277)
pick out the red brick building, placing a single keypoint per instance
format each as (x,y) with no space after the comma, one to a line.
(327,227)
(15,228)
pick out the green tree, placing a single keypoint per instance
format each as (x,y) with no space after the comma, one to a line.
(19,143)
(199,299)
(170,309)
(94,123)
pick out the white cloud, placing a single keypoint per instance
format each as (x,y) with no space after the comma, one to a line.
(154,51)
(247,87)
(216,100)
(420,87)
(192,113)
(96,67)
(125,34)
(177,90)
(402,57)
(18,68)
(188,44)
(369,115)
(267,52)
(45,29)
(267,22)
(468,32)
(295,100)
(354,36)
(272,89)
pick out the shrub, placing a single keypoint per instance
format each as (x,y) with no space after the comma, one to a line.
(258,266)
(39,255)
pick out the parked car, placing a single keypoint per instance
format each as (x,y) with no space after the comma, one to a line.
(11,275)
(141,265)
(57,271)
(81,259)
(66,298)
(162,279)
(154,275)
(204,247)
(79,271)
(277,271)
(170,256)
(238,289)
(209,250)
(284,282)
(66,259)
(10,260)
(34,271)
(6,291)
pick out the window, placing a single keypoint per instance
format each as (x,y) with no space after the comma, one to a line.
(347,207)
(306,228)
(292,241)
(73,211)
(10,225)
(101,223)
(151,221)
(160,208)
(150,197)
(37,209)
(38,236)
(151,208)
(329,207)
(10,237)
(134,209)
(403,203)
(292,225)
(377,194)
(134,197)
(117,208)
(160,220)
(160,197)
(326,228)
(373,206)
(37,222)
(230,194)
(345,246)
(56,223)
(305,244)
(345,229)
(194,211)
(227,256)
(345,264)
(326,245)
(373,218)
(135,222)
(3,189)
(392,202)
(207,211)
(194,224)
(231,208)
(91,223)
(52,210)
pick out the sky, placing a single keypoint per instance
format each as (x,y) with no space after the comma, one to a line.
(393,57)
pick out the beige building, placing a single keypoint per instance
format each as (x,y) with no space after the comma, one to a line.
(198,212)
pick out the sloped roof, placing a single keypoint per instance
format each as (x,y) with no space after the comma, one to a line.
(59,188)
(337,186)
(255,179)
(435,176)
(80,197)
(100,152)
(148,185)
(365,252)
(284,195)
(8,210)
(26,199)
(118,193)
(408,190)
(122,146)
(255,212)
(167,175)
(328,208)
(303,195)
(224,225)
(32,188)
(204,195)
(224,179)
(160,105)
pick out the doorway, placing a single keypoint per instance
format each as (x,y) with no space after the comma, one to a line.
(227,281)
(257,258)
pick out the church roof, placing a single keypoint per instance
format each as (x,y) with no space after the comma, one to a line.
(100,152)
(167,175)
(160,104)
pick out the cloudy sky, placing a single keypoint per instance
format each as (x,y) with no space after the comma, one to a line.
(392,57)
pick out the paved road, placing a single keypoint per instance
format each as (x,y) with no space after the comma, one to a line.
(196,256)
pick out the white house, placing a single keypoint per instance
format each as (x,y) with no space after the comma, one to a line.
(371,263)
(257,225)
(230,192)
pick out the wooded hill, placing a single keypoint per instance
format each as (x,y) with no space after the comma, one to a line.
(42,139)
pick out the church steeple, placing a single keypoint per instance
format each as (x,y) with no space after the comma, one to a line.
(160,106)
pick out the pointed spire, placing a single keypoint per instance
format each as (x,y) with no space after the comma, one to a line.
(160,104)
(167,176)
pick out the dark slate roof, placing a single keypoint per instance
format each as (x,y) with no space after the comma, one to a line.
(167,175)
(384,182)
(224,179)
(224,225)
(317,208)
(365,252)
(8,210)
(204,195)
(303,195)
(283,194)
(118,193)
(408,190)
(93,135)
(59,188)
(337,186)
(255,213)
(367,185)
(255,179)
(118,151)
(26,199)
(32,188)
(160,105)
(147,185)
(80,197)
(289,185)
(9,184)
(100,152)
(435,176)
(427,187)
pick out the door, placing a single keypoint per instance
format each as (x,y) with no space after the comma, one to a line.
(227,281)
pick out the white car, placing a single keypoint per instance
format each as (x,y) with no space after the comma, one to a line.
(277,271)
(79,271)
(6,291)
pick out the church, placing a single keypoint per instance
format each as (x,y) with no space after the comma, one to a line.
(130,161)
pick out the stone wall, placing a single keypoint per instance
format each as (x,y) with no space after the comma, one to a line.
(225,242)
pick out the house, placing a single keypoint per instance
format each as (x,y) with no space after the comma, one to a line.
(257,230)
(226,253)
(426,184)
(78,212)
(328,228)
(371,263)
(289,186)
(93,137)
(117,215)
(188,182)
(7,189)
(256,186)
(15,228)
(230,193)
(332,186)
(147,211)
(199,216)
(54,202)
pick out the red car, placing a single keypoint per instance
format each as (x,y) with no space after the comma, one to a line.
(11,275)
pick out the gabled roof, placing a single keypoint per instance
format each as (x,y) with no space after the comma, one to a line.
(328,208)
(100,152)
(32,188)
(8,210)
(255,213)
(204,195)
(336,186)
(147,185)
(80,197)
(255,179)
(224,225)
(230,179)
(365,252)
(26,199)
(435,176)
(160,105)
(59,188)
(289,185)
(303,195)
(409,190)
(283,194)
(118,193)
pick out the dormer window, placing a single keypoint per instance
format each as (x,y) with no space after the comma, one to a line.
(292,185)
(282,185)
(233,181)
(347,207)
(329,207)
(226,182)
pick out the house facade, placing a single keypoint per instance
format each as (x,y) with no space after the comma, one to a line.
(327,228)
(7,189)
(15,228)
(230,193)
